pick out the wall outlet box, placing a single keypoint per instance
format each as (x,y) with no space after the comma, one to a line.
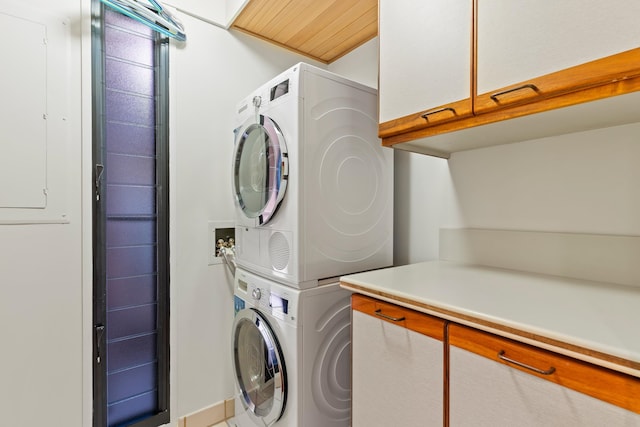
(217,230)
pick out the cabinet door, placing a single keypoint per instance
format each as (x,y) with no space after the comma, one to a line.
(425,63)
(531,49)
(487,390)
(397,372)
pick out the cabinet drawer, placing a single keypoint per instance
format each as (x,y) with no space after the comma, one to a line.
(603,384)
(404,317)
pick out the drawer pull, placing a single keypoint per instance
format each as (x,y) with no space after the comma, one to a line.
(515,89)
(439,110)
(385,316)
(549,371)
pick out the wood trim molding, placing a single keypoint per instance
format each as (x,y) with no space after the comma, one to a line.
(437,116)
(566,100)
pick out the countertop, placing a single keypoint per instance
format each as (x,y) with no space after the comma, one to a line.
(592,321)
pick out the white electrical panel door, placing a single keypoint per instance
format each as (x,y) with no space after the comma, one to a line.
(522,39)
(36,74)
(23,134)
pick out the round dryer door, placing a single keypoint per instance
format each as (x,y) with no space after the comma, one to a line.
(260,169)
(259,366)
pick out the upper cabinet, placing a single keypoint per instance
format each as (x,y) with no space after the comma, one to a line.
(425,63)
(522,57)
(531,49)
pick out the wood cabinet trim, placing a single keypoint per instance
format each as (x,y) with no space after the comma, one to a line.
(437,116)
(610,386)
(474,54)
(413,320)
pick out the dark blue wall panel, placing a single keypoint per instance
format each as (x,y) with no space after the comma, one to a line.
(131,291)
(129,200)
(133,381)
(131,232)
(126,138)
(127,353)
(129,108)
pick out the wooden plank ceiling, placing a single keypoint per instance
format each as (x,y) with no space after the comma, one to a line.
(321,29)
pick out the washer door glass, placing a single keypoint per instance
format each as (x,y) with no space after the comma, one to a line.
(259,366)
(261,169)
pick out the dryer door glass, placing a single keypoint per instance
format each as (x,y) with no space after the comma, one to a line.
(261,169)
(259,366)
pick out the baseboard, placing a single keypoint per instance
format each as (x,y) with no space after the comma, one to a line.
(209,416)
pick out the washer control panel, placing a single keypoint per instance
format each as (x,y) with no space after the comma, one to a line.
(278,300)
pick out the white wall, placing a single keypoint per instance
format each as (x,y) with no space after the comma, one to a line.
(220,13)
(210,74)
(360,65)
(41,288)
(584,182)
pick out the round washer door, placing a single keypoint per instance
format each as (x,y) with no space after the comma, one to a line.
(259,366)
(260,169)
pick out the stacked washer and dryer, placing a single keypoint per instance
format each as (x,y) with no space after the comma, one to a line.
(314,201)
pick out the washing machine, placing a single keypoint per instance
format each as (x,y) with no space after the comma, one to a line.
(291,354)
(313,186)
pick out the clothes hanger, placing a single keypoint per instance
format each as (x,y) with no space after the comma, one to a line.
(152,14)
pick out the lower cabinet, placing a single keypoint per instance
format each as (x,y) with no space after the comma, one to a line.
(398,361)
(412,369)
(494,381)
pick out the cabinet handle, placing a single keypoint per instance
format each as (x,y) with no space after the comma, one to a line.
(515,89)
(549,371)
(439,110)
(385,316)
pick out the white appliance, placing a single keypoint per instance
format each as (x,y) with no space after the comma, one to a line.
(313,185)
(291,354)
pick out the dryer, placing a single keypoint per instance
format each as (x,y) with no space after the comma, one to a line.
(291,354)
(313,186)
